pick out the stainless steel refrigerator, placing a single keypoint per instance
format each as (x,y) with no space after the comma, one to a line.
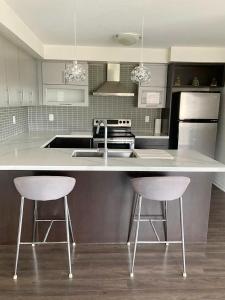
(193,122)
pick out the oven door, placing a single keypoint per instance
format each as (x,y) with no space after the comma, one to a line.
(114,144)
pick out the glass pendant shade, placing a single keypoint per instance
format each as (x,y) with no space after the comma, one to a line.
(75,72)
(140,74)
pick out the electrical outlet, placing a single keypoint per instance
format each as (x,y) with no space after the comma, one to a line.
(146,119)
(51,117)
(14,119)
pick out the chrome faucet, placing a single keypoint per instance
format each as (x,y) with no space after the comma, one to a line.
(104,122)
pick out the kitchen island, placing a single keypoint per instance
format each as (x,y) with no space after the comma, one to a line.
(102,200)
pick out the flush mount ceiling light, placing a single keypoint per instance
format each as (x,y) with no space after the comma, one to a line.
(127,38)
(141,73)
(75,71)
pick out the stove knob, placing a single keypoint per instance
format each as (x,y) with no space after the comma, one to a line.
(120,122)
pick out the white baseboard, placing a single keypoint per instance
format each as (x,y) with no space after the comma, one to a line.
(219,186)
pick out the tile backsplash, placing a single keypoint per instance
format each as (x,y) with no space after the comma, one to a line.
(80,118)
(7,128)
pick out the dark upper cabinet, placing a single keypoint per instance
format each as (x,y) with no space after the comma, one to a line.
(206,73)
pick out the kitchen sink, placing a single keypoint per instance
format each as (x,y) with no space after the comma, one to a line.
(100,153)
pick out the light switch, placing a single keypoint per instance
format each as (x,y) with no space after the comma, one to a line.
(51,117)
(146,119)
(14,119)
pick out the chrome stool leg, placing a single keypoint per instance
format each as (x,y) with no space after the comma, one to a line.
(35,223)
(134,207)
(19,236)
(182,236)
(165,214)
(136,234)
(71,228)
(68,235)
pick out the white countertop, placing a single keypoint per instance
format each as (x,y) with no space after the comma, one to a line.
(24,152)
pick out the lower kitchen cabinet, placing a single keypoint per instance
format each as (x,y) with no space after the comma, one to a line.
(70,142)
(151,143)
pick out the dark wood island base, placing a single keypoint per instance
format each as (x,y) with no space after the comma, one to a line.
(101,206)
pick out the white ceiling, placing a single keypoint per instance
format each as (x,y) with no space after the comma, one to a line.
(167,22)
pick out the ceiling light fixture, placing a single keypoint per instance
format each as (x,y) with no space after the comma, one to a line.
(75,71)
(141,73)
(127,38)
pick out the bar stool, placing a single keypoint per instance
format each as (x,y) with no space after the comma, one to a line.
(163,189)
(44,188)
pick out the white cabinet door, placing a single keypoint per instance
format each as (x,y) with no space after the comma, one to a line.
(28,78)
(85,81)
(53,72)
(151,97)
(12,75)
(24,76)
(3,85)
(64,95)
(158,75)
(33,99)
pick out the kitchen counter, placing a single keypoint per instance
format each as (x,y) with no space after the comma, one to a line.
(25,152)
(101,202)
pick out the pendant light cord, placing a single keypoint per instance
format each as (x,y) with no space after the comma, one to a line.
(142,40)
(75,30)
(75,36)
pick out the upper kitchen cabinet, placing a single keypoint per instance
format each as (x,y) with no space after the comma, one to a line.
(56,91)
(3,84)
(15,96)
(195,75)
(158,75)
(28,79)
(53,73)
(152,94)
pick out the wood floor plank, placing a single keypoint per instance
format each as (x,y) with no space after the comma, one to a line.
(102,271)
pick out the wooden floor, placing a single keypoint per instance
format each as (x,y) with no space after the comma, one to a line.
(102,271)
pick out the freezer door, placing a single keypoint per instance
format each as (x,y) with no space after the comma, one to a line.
(198,136)
(199,105)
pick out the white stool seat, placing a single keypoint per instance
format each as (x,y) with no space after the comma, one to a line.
(164,188)
(44,188)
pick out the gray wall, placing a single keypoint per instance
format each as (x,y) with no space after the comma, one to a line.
(7,128)
(80,118)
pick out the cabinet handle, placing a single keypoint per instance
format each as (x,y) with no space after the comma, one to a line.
(65,104)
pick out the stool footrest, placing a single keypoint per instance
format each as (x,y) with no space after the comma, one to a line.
(39,243)
(50,220)
(149,219)
(159,242)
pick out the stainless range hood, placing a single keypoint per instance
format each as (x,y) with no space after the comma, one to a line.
(113,86)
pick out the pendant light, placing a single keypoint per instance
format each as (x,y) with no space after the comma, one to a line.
(141,73)
(75,71)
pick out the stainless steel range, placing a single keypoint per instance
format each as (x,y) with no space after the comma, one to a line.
(119,135)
